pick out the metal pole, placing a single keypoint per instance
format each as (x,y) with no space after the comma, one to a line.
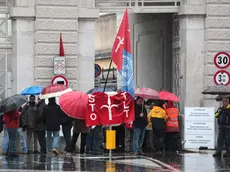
(106,80)
(110,151)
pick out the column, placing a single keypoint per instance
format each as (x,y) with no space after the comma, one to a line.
(86,39)
(23,16)
(192,29)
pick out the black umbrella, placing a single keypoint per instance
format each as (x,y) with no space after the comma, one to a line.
(217,90)
(12,103)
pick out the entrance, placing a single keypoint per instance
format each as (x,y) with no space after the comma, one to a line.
(152,50)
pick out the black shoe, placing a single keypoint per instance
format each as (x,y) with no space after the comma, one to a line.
(36,152)
(29,152)
(217,154)
(43,152)
(227,154)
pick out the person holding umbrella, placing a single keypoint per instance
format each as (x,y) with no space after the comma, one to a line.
(172,138)
(157,118)
(11,120)
(139,126)
(51,115)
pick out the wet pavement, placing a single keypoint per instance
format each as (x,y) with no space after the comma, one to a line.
(190,162)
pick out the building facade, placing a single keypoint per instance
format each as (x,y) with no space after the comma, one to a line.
(173,41)
(174,45)
(30,41)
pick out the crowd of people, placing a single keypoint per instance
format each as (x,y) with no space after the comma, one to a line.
(40,123)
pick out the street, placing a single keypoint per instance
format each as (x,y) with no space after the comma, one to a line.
(189,162)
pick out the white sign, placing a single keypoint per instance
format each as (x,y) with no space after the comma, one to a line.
(199,127)
(59,65)
(222,60)
(222,77)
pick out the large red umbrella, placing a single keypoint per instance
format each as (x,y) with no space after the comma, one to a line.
(54,91)
(165,95)
(146,93)
(74,104)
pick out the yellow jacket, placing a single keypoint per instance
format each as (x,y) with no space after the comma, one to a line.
(157,112)
(219,110)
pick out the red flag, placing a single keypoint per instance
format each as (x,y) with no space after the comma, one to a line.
(122,42)
(61,47)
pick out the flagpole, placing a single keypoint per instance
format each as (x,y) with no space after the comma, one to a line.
(107,77)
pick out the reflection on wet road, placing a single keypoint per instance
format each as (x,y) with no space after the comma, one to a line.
(192,162)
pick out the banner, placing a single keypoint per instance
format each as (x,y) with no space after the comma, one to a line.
(110,110)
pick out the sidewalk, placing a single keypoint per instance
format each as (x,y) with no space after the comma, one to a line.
(209,151)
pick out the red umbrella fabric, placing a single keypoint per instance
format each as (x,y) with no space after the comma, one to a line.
(165,95)
(54,91)
(146,93)
(74,104)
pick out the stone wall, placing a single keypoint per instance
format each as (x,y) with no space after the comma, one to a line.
(217,34)
(52,18)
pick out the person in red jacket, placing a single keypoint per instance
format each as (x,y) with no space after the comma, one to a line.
(12,121)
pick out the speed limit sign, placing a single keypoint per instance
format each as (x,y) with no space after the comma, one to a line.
(222,77)
(222,60)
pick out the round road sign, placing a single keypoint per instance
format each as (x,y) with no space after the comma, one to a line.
(60,79)
(222,77)
(222,60)
(97,70)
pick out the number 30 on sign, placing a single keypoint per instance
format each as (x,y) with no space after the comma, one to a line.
(222,77)
(222,60)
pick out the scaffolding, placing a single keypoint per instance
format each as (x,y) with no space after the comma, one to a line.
(5,47)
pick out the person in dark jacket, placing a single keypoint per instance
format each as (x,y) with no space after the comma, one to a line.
(28,115)
(139,125)
(40,126)
(52,117)
(66,123)
(79,127)
(223,115)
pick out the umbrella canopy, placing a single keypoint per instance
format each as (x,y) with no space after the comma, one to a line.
(146,93)
(217,90)
(54,91)
(99,89)
(12,103)
(33,90)
(165,95)
(74,104)
(219,97)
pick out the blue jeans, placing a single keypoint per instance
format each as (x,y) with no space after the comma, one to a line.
(13,134)
(5,141)
(22,140)
(138,139)
(56,140)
